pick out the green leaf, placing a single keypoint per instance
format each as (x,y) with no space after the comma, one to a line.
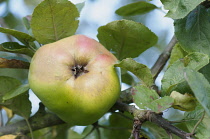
(15,47)
(143,96)
(179,8)
(136,8)
(176,54)
(74,135)
(127,78)
(191,119)
(87,130)
(146,98)
(53,20)
(159,105)
(194,115)
(126,38)
(26,21)
(193,31)
(175,73)
(205,72)
(19,104)
(22,37)
(16,91)
(200,87)
(61,131)
(19,74)
(141,71)
(6,85)
(119,127)
(155,132)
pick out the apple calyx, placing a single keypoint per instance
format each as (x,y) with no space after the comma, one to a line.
(78,70)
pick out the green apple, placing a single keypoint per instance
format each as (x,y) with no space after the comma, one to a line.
(75,78)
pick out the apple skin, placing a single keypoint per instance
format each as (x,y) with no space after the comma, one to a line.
(75,78)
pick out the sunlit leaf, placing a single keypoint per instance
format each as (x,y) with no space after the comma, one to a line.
(141,71)
(184,102)
(53,20)
(9,112)
(9,136)
(126,38)
(140,7)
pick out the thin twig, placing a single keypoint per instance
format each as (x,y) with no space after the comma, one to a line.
(89,133)
(199,121)
(172,122)
(114,128)
(30,129)
(99,133)
(136,128)
(124,116)
(163,58)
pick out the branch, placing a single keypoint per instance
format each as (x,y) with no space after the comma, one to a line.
(146,115)
(136,129)
(40,120)
(163,58)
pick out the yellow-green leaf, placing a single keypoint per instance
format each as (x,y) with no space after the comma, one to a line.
(53,20)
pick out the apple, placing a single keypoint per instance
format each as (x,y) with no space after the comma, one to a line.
(75,78)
